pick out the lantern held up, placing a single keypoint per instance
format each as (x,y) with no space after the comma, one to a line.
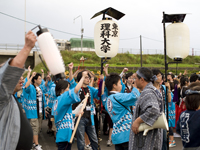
(50,52)
(106,41)
(177,37)
(176,45)
(106,33)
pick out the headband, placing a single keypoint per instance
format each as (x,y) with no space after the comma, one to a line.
(153,78)
(190,92)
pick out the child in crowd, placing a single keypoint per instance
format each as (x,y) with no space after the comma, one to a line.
(117,105)
(188,125)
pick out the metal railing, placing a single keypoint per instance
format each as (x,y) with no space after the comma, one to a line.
(15,47)
(193,52)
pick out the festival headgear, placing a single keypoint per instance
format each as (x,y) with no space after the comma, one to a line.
(190,92)
(153,78)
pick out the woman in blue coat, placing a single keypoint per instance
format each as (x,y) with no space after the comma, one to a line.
(63,109)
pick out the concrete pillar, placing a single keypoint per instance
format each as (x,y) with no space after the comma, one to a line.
(36,58)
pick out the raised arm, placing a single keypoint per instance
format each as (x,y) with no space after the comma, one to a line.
(71,65)
(123,71)
(21,57)
(42,73)
(29,72)
(92,81)
(30,79)
(105,69)
(12,70)
(168,92)
(48,78)
(103,84)
(80,83)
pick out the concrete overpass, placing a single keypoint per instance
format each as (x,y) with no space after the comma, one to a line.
(10,51)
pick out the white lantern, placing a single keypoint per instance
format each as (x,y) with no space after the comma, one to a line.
(106,38)
(177,40)
(50,52)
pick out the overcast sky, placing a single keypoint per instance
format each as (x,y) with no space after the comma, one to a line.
(142,17)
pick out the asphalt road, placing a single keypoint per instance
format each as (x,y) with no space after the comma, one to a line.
(48,143)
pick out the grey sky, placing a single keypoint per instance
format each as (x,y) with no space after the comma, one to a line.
(143,17)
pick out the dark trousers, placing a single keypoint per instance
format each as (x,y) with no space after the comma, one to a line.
(122,146)
(171,133)
(164,146)
(64,146)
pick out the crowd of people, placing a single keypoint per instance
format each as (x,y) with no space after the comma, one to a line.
(128,100)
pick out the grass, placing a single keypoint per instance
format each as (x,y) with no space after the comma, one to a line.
(144,65)
(127,60)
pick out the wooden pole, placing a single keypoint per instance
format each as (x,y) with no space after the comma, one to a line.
(79,117)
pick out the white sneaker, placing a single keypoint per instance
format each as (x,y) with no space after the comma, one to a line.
(34,145)
(88,147)
(109,143)
(38,147)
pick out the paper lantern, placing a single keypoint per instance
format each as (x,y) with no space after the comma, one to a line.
(106,38)
(50,52)
(177,40)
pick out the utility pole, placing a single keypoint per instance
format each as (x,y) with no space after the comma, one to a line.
(81,31)
(25,20)
(141,49)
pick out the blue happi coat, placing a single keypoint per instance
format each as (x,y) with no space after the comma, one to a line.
(171,109)
(93,94)
(51,95)
(63,115)
(21,98)
(120,116)
(30,100)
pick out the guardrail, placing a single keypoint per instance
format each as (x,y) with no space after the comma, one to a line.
(192,52)
(15,47)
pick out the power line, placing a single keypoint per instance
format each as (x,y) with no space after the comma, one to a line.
(55,29)
(195,48)
(152,39)
(77,34)
(130,38)
(37,24)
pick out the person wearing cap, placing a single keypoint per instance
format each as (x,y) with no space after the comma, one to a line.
(148,109)
(13,121)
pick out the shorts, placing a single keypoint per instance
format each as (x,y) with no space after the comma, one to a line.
(36,124)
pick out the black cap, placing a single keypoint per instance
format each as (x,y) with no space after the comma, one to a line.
(41,30)
(110,12)
(173,18)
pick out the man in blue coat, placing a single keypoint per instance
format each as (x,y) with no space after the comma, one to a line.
(86,123)
(35,103)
